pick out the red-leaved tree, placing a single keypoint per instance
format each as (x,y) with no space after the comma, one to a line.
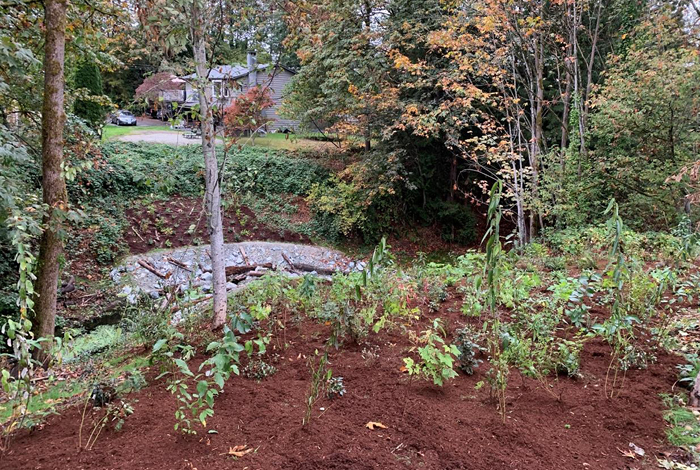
(246,112)
(155,84)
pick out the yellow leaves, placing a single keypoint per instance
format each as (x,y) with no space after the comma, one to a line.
(372,425)
(401,61)
(239,451)
(411,110)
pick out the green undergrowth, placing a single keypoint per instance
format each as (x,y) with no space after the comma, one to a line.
(683,424)
(129,175)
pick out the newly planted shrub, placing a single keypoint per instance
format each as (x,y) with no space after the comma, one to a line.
(468,350)
(436,359)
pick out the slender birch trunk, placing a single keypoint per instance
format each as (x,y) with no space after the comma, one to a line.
(213,188)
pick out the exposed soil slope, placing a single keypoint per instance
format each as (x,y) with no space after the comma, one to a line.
(454,427)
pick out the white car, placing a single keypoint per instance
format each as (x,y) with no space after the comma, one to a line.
(124,118)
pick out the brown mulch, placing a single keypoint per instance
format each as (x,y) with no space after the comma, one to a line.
(453,427)
(179,213)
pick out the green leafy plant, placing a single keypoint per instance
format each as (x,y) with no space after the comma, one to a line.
(468,350)
(258,369)
(498,373)
(335,388)
(436,359)
(320,377)
(197,406)
(684,427)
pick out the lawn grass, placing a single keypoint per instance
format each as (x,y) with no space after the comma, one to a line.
(274,141)
(110,131)
(279,141)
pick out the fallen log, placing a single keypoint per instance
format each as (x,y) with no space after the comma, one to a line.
(68,286)
(289,261)
(177,263)
(202,268)
(138,234)
(234,270)
(309,268)
(245,256)
(150,267)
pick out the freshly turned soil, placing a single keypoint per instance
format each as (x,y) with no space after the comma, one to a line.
(453,427)
(179,213)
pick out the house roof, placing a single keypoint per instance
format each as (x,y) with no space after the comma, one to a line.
(231,72)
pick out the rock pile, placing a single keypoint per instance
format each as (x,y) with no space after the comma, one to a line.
(190,267)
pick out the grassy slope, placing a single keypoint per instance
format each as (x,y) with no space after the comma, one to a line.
(271,141)
(110,131)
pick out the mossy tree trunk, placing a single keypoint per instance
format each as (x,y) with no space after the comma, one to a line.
(53,184)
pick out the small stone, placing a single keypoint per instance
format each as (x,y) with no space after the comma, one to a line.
(154,294)
(206,277)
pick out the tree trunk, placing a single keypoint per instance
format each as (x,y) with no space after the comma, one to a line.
(453,178)
(213,189)
(538,131)
(53,184)
(585,101)
(695,393)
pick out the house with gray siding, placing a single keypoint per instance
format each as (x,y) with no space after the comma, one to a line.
(230,81)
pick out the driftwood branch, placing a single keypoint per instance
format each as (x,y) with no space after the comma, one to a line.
(235,270)
(68,286)
(307,267)
(245,256)
(177,263)
(150,267)
(138,234)
(289,261)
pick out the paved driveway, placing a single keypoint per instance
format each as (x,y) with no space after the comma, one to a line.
(159,137)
